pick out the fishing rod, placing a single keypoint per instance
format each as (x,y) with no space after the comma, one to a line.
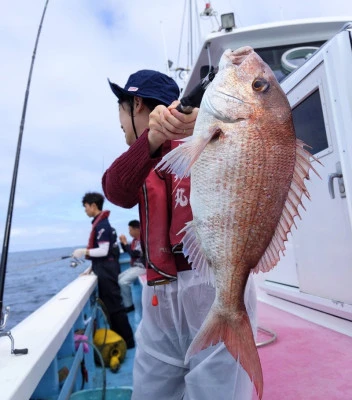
(6,241)
(189,102)
(73,263)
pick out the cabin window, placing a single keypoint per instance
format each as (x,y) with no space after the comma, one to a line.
(273,57)
(308,120)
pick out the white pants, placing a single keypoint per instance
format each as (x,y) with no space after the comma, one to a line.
(126,278)
(164,335)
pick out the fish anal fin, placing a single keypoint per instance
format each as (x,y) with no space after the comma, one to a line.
(290,210)
(237,335)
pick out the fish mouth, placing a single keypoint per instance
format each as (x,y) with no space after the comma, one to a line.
(238,56)
(229,95)
(220,114)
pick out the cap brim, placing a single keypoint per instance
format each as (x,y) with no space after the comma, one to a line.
(117,90)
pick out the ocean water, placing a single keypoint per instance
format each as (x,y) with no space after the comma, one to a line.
(33,277)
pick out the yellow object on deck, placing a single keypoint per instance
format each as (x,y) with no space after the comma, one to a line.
(112,346)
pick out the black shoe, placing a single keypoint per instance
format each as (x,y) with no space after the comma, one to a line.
(130,308)
(121,325)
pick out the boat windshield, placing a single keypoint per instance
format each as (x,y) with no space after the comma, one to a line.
(284,59)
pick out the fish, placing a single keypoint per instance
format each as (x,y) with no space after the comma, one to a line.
(247,172)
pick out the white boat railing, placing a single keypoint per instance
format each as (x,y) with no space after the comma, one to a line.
(48,334)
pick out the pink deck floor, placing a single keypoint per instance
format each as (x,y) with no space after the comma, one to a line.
(307,361)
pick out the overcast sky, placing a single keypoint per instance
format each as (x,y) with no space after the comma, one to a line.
(72,132)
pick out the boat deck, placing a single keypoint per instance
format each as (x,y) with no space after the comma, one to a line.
(307,361)
(124,375)
(310,359)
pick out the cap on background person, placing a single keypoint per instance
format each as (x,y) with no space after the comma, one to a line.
(148,84)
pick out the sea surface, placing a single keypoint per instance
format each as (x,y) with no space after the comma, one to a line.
(33,277)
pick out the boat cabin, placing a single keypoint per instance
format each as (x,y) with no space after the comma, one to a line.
(315,271)
(283,46)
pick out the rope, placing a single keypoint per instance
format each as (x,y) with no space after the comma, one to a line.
(269,332)
(101,362)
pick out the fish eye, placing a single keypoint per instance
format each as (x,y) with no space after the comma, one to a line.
(260,85)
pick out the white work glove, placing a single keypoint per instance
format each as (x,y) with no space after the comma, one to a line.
(79,253)
(123,239)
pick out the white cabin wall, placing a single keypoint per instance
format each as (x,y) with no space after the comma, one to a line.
(322,243)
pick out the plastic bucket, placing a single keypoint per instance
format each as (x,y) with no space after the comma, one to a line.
(96,394)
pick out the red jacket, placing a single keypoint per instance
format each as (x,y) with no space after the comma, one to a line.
(131,179)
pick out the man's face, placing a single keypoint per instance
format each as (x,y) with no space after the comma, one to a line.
(126,122)
(134,232)
(90,209)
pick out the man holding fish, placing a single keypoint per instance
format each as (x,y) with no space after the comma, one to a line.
(177,299)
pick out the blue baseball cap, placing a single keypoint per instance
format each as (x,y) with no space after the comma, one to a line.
(149,84)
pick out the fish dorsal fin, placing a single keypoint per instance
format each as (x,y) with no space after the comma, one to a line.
(294,198)
(193,250)
(180,160)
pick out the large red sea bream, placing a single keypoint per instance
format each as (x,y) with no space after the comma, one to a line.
(247,179)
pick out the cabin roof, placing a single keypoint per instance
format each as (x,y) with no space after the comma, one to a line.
(294,33)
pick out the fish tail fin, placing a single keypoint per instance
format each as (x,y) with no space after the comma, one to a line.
(238,338)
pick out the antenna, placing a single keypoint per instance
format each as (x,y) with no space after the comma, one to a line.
(191,27)
(168,66)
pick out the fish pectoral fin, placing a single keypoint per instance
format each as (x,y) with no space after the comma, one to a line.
(193,250)
(180,160)
(236,333)
(215,133)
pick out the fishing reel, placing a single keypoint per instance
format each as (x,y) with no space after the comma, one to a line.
(3,321)
(75,262)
